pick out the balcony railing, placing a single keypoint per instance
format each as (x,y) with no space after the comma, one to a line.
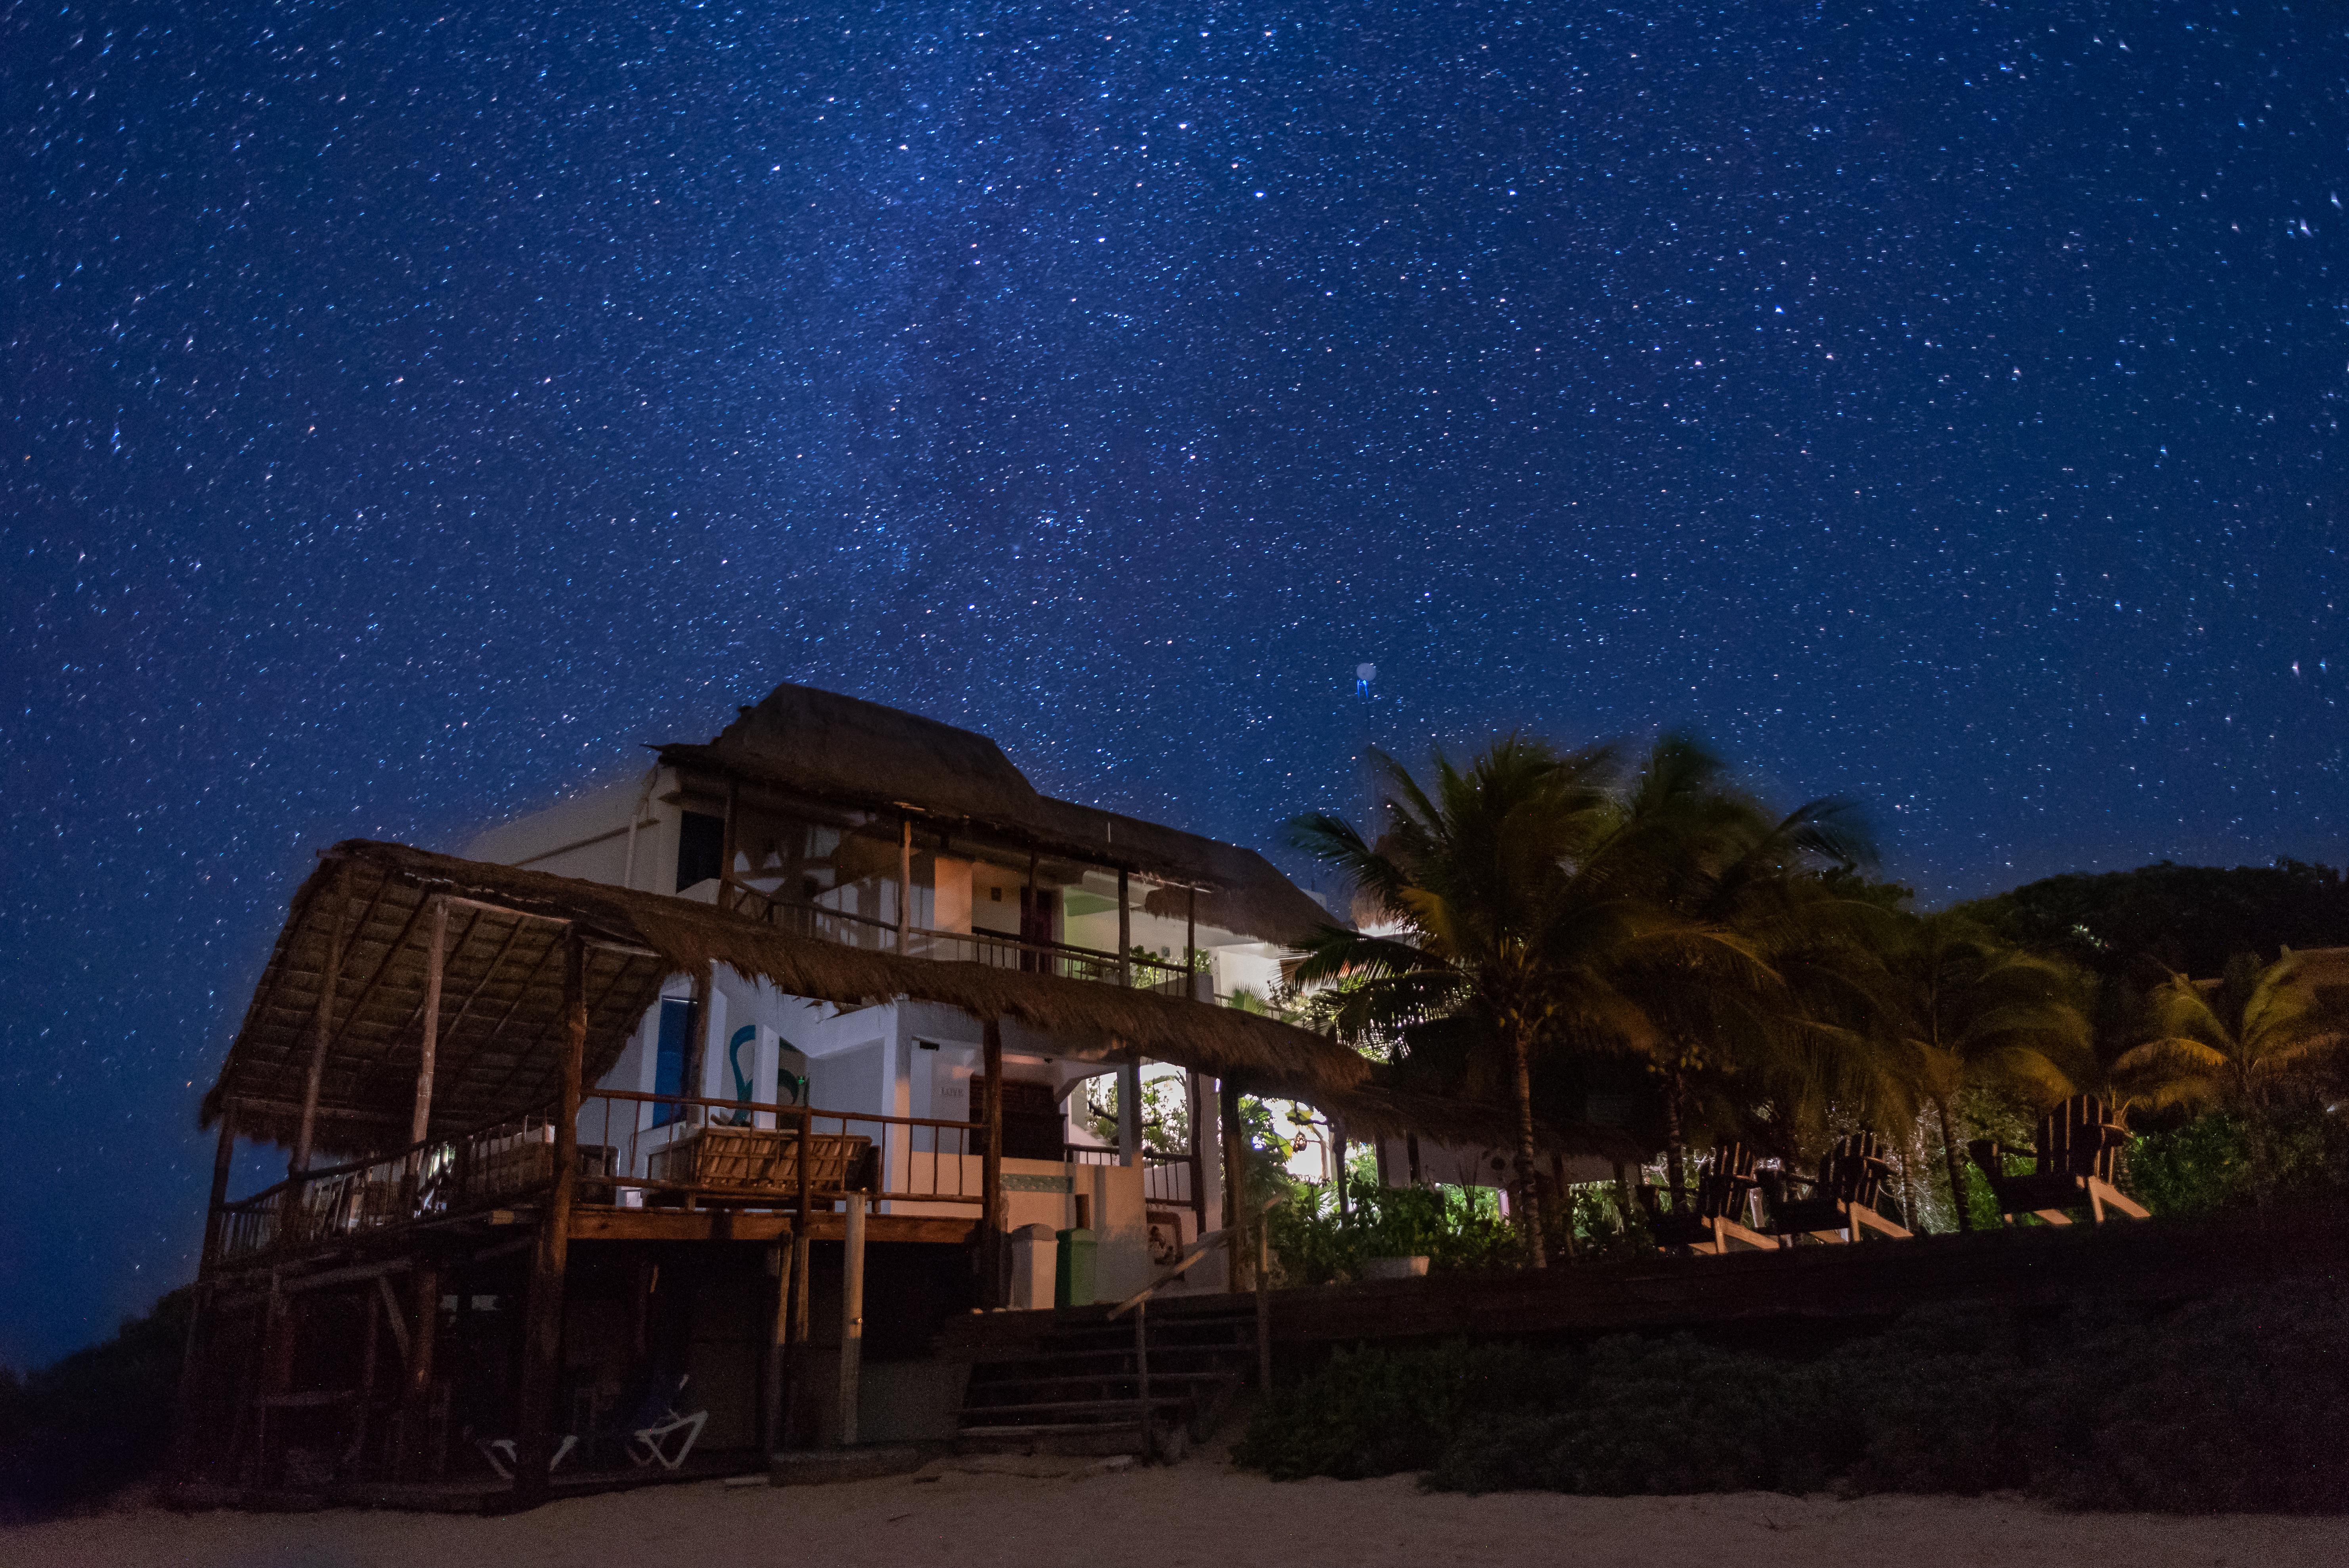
(636,1151)
(996,949)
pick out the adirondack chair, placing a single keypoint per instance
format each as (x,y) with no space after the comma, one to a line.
(2072,1166)
(1841,1204)
(1713,1223)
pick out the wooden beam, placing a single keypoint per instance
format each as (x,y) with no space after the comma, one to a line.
(697,1225)
(773,1347)
(542,1357)
(428,1049)
(990,1168)
(1190,943)
(726,846)
(223,1160)
(322,1022)
(416,1459)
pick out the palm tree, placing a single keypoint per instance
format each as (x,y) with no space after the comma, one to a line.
(1763,1002)
(1963,1008)
(1485,915)
(2230,1043)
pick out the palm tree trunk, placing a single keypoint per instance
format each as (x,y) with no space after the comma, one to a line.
(1521,1050)
(1957,1168)
(1675,1161)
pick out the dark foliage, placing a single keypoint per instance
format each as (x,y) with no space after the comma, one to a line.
(2240,1404)
(2190,919)
(72,1433)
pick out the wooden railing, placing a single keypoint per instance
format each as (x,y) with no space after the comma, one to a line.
(995,949)
(745,1153)
(1169,1179)
(483,1168)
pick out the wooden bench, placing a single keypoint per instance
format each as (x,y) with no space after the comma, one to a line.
(2072,1166)
(730,1163)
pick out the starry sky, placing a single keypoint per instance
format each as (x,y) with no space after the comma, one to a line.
(409,415)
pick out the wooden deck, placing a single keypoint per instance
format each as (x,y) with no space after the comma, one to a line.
(588,1225)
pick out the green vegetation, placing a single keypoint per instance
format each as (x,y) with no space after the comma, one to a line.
(73,1433)
(1545,930)
(2240,1404)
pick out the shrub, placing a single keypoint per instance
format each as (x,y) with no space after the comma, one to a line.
(2236,1404)
(96,1421)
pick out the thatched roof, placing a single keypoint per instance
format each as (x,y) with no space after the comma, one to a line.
(502,999)
(842,750)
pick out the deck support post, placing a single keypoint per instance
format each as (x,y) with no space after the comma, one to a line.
(697,1052)
(322,1030)
(1338,1159)
(541,1355)
(990,1167)
(852,1317)
(773,1347)
(1227,1107)
(428,1050)
(416,1382)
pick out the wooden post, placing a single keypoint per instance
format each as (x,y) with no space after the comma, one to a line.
(416,1396)
(1227,1105)
(322,1029)
(990,1167)
(1410,1158)
(1141,1373)
(541,1355)
(726,848)
(852,1317)
(1124,932)
(774,1347)
(1338,1159)
(223,1159)
(802,1320)
(1264,1300)
(904,882)
(697,1039)
(1129,1113)
(1191,943)
(419,1119)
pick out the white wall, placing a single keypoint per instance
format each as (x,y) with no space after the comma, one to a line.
(586,835)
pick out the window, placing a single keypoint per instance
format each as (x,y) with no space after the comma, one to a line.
(669,1065)
(700,849)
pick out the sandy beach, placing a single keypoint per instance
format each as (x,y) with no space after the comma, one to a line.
(1203,1513)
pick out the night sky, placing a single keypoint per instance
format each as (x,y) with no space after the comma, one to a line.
(408,417)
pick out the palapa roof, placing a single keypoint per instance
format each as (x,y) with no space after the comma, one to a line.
(845,750)
(502,1005)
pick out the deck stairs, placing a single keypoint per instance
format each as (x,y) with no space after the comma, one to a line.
(1069,1385)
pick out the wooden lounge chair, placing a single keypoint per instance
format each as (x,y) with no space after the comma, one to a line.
(1714,1222)
(2072,1166)
(762,1164)
(1841,1204)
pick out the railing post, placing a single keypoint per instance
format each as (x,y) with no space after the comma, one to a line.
(904,882)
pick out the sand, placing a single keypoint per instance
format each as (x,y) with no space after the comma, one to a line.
(1202,1513)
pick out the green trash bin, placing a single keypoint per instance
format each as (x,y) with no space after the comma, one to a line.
(1072,1268)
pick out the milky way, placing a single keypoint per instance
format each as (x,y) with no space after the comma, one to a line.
(410,417)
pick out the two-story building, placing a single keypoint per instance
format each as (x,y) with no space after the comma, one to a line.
(756,1070)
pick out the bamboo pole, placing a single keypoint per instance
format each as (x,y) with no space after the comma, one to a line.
(224,1162)
(543,1329)
(725,847)
(322,1026)
(435,952)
